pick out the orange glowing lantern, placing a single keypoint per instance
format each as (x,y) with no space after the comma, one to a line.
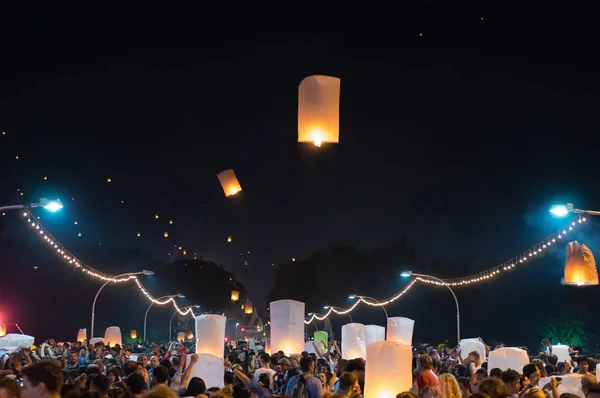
(580,268)
(133,334)
(229,239)
(235,295)
(166,234)
(189,335)
(249,309)
(229,182)
(319,110)
(2,329)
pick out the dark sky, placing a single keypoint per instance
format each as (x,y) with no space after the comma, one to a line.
(460,124)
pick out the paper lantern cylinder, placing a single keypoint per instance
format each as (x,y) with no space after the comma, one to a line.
(235,295)
(374,333)
(112,336)
(189,335)
(580,267)
(13,341)
(180,336)
(249,309)
(133,334)
(508,358)
(210,334)
(319,110)
(353,341)
(400,329)
(95,340)
(209,368)
(81,335)
(469,345)
(2,330)
(322,339)
(388,358)
(268,346)
(229,182)
(570,383)
(562,352)
(287,326)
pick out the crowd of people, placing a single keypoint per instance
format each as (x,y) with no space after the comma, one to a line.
(82,370)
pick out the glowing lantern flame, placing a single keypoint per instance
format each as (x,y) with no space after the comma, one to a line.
(580,267)
(235,295)
(319,110)
(229,182)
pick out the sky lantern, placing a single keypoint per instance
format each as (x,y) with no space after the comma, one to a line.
(235,295)
(249,309)
(210,334)
(133,334)
(82,335)
(189,335)
(287,326)
(319,110)
(166,234)
(229,239)
(2,330)
(229,182)
(386,358)
(580,267)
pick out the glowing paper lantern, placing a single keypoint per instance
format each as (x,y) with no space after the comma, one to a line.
(81,335)
(14,341)
(387,358)
(353,341)
(235,295)
(209,368)
(507,358)
(570,383)
(322,339)
(95,340)
(166,234)
(249,309)
(229,182)
(400,329)
(562,352)
(229,239)
(112,336)
(210,334)
(580,268)
(133,334)
(189,335)
(374,333)
(470,345)
(287,326)
(319,110)
(2,330)
(309,347)
(180,336)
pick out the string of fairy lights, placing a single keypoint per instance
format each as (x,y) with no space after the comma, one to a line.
(71,259)
(526,256)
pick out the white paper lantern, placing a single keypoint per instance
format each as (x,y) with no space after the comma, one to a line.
(562,352)
(353,341)
(400,329)
(570,383)
(96,340)
(287,326)
(112,336)
(180,336)
(309,347)
(14,341)
(210,334)
(209,368)
(388,372)
(508,358)
(470,345)
(82,334)
(319,110)
(374,333)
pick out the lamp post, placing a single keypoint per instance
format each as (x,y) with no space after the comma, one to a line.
(353,296)
(564,209)
(410,273)
(50,205)
(326,307)
(236,334)
(144,272)
(177,312)
(152,303)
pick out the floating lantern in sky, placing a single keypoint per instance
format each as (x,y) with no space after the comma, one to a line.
(139,234)
(319,110)
(133,334)
(184,251)
(2,330)
(580,267)
(229,239)
(171,222)
(156,216)
(108,180)
(79,234)
(189,335)
(249,309)
(75,222)
(229,182)
(112,336)
(166,234)
(235,295)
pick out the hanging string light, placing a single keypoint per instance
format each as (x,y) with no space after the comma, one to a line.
(79,265)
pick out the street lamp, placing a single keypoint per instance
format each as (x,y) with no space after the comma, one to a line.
(564,209)
(50,205)
(353,296)
(326,307)
(144,272)
(236,334)
(407,274)
(152,303)
(177,312)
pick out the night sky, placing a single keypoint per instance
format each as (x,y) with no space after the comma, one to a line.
(460,125)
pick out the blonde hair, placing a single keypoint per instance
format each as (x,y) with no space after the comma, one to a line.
(534,393)
(449,386)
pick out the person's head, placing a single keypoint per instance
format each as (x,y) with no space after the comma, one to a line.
(153,361)
(587,381)
(42,379)
(284,364)
(195,387)
(495,373)
(348,384)
(481,375)
(532,372)
(307,365)
(228,378)
(340,367)
(424,363)
(434,354)
(160,375)
(512,381)
(322,378)
(9,389)
(449,386)
(494,388)
(475,357)
(534,393)
(136,383)
(265,360)
(583,365)
(161,392)
(100,384)
(73,358)
(143,359)
(357,366)
(430,392)
(406,394)
(564,367)
(175,361)
(264,379)
(15,360)
(295,363)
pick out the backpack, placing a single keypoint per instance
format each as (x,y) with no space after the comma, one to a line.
(301,388)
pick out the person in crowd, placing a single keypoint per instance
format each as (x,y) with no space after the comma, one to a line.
(533,373)
(265,362)
(9,388)
(448,386)
(427,377)
(512,382)
(305,381)
(42,380)
(348,385)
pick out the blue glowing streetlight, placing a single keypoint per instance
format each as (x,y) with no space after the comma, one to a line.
(561,210)
(50,205)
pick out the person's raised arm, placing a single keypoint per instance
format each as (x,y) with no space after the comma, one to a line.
(27,357)
(317,349)
(239,374)
(186,376)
